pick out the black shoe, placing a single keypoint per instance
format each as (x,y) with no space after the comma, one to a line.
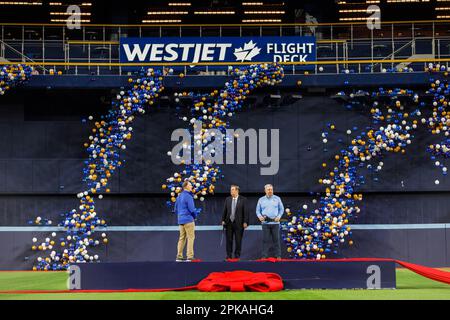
(180,260)
(190,259)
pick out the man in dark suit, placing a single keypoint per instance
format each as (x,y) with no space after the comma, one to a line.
(235,219)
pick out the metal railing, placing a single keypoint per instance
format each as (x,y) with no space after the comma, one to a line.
(329,31)
(351,66)
(339,42)
(337,50)
(24,58)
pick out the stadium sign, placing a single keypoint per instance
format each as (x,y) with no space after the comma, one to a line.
(223,49)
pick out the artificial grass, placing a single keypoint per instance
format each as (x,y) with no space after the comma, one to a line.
(410,286)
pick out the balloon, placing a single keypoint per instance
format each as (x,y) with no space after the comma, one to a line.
(315,234)
(104,148)
(13,75)
(214,110)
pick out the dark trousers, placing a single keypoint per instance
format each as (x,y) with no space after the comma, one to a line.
(271,239)
(236,232)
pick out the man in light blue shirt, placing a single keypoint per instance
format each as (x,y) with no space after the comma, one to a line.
(269,211)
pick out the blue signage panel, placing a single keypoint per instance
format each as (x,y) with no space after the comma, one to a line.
(192,50)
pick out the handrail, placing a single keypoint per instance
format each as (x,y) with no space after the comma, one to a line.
(91,42)
(393,53)
(118,42)
(87,42)
(22,55)
(150,64)
(227,25)
(398,50)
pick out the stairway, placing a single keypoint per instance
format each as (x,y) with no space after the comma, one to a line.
(425,56)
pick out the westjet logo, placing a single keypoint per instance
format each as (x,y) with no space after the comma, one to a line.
(221,49)
(186,52)
(248,53)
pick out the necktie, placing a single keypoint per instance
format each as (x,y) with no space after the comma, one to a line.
(233,209)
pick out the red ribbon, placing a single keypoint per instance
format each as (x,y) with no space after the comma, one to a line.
(239,281)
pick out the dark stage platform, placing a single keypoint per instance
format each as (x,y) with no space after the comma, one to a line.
(326,274)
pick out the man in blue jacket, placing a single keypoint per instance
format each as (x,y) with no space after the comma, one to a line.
(186,211)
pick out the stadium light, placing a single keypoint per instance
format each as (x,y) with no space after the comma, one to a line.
(166,12)
(84,4)
(76,21)
(162,21)
(402,1)
(264,12)
(20,3)
(260,20)
(70,14)
(214,12)
(179,4)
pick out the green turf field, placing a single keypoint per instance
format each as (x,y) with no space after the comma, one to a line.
(409,286)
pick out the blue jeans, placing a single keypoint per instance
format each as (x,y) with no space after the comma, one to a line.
(271,239)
